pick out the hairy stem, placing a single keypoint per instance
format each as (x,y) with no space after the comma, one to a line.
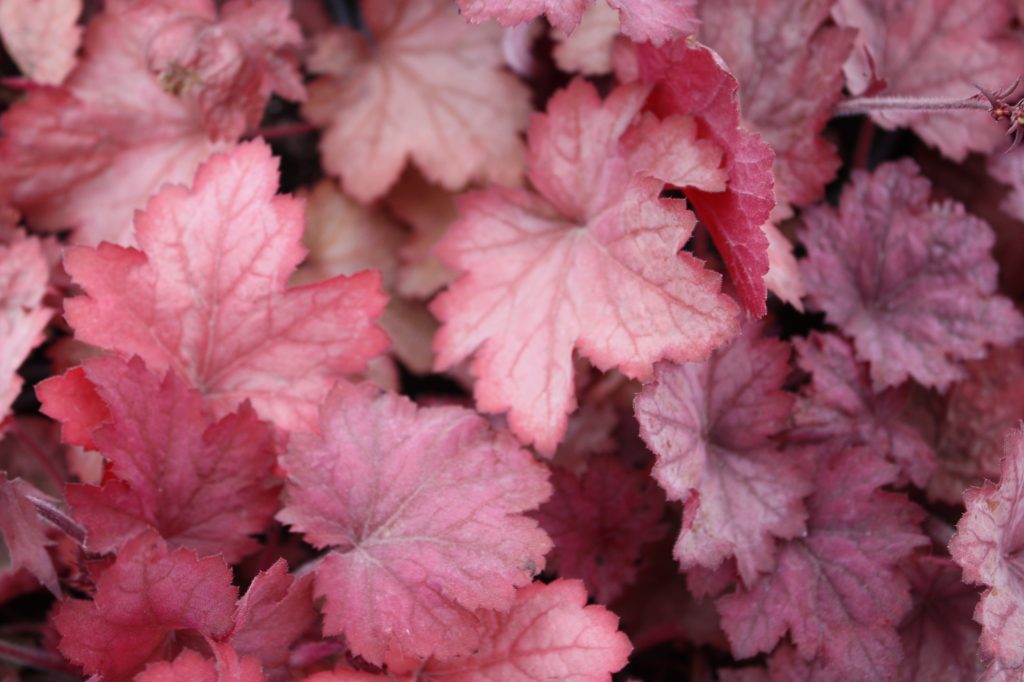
(58,519)
(30,657)
(853,106)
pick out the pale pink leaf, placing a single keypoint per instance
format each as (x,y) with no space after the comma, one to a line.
(836,589)
(588,49)
(788,64)
(783,278)
(987,545)
(710,425)
(934,48)
(429,210)
(206,297)
(592,263)
(24,276)
(913,282)
(548,634)
(422,509)
(429,89)
(1008,168)
(41,36)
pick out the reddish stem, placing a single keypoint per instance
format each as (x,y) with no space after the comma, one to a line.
(285,130)
(864,105)
(865,137)
(31,657)
(58,519)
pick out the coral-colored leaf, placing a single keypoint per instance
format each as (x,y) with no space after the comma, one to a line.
(940,640)
(600,523)
(710,425)
(422,508)
(90,154)
(429,88)
(913,282)
(987,545)
(41,36)
(691,79)
(547,635)
(193,667)
(142,602)
(199,482)
(836,589)
(591,263)
(206,295)
(788,64)
(274,612)
(24,274)
(934,48)
(840,408)
(642,20)
(72,400)
(23,533)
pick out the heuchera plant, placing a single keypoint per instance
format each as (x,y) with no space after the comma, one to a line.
(511,340)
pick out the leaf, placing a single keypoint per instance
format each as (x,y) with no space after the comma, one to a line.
(88,155)
(24,276)
(710,425)
(839,408)
(1009,169)
(429,210)
(41,36)
(588,49)
(199,482)
(987,545)
(205,295)
(978,413)
(940,640)
(429,89)
(642,20)
(274,612)
(143,603)
(836,588)
(936,48)
(783,278)
(590,262)
(913,282)
(189,665)
(24,534)
(422,509)
(600,523)
(690,79)
(788,64)
(547,635)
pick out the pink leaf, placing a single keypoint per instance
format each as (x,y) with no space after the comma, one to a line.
(940,640)
(978,414)
(72,400)
(24,275)
(600,523)
(987,545)
(934,48)
(839,408)
(710,425)
(591,263)
(206,295)
(199,482)
(226,667)
(547,635)
(691,79)
(1009,169)
(790,101)
(143,603)
(836,589)
(428,89)
(422,508)
(89,155)
(274,612)
(783,278)
(588,49)
(642,20)
(41,36)
(24,533)
(913,282)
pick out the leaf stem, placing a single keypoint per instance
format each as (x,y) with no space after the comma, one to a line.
(30,657)
(854,106)
(58,519)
